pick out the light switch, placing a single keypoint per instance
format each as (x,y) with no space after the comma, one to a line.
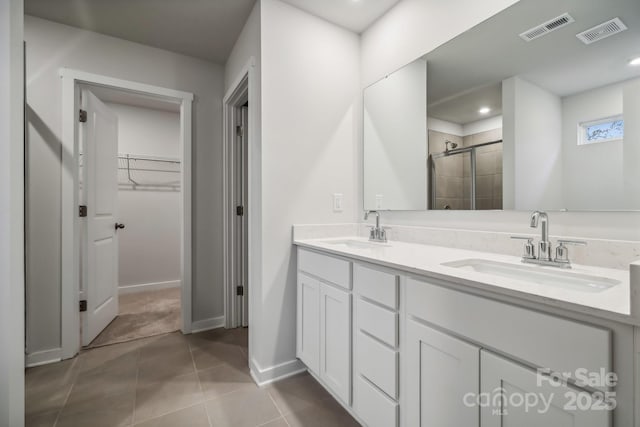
(337,202)
(379,198)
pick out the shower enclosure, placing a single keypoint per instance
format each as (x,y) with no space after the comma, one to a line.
(466,178)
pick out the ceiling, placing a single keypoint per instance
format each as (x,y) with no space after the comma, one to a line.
(558,61)
(205,29)
(354,15)
(464,108)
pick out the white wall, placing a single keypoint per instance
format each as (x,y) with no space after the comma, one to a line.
(247,47)
(482,125)
(11,216)
(444,126)
(311,118)
(52,46)
(395,131)
(416,27)
(631,111)
(533,146)
(149,246)
(593,173)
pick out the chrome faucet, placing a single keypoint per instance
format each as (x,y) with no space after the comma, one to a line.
(377,233)
(544,246)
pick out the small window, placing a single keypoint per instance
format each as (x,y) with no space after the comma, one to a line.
(603,130)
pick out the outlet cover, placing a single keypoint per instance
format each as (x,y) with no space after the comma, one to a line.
(338,200)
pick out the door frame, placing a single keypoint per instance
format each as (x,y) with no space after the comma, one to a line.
(240,91)
(71,222)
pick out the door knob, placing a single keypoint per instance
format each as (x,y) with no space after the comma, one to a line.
(119,226)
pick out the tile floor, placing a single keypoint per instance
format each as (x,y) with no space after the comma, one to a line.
(173,380)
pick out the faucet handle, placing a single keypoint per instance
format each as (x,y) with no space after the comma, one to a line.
(563,242)
(562,252)
(529,248)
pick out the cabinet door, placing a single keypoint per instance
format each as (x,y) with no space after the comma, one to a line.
(335,341)
(509,386)
(440,370)
(308,319)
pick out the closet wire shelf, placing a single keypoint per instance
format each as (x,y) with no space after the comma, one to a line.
(137,171)
(146,172)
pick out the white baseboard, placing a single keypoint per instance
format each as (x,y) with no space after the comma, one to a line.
(130,289)
(43,357)
(265,376)
(206,324)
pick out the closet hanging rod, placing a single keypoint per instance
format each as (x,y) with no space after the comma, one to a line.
(148,158)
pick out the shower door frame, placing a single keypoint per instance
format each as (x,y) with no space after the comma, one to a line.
(447,153)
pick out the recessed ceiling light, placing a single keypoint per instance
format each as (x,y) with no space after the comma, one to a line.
(635,61)
(484,110)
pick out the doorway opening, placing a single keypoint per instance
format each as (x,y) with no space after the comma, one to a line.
(146,232)
(126,211)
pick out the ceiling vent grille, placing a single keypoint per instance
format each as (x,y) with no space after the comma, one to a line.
(602,31)
(547,27)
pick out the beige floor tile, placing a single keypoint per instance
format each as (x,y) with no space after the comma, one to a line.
(280,422)
(166,365)
(112,411)
(47,387)
(322,414)
(51,375)
(225,379)
(40,401)
(46,419)
(194,416)
(297,393)
(175,342)
(109,358)
(245,408)
(212,354)
(159,398)
(95,386)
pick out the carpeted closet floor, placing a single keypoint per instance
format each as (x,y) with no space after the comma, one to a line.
(143,314)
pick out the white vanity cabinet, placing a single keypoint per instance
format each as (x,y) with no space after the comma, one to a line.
(563,406)
(442,370)
(404,350)
(324,320)
(308,313)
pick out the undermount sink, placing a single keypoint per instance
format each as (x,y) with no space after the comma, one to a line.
(356,244)
(537,275)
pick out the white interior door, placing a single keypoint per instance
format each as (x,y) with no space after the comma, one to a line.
(99,135)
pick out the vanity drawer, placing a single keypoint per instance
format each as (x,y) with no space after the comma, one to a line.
(373,407)
(377,321)
(378,364)
(541,339)
(327,268)
(376,285)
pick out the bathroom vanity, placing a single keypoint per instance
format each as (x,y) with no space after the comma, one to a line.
(405,334)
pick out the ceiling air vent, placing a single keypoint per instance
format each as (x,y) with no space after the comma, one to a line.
(547,27)
(602,31)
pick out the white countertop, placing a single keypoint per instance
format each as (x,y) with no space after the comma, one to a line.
(425,260)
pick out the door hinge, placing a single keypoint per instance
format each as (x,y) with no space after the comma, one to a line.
(239,290)
(83,116)
(239,130)
(82,211)
(239,210)
(83,305)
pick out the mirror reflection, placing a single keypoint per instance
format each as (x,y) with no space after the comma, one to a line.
(536,108)
(395,131)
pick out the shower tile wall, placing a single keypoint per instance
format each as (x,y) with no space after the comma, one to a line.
(453,173)
(449,172)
